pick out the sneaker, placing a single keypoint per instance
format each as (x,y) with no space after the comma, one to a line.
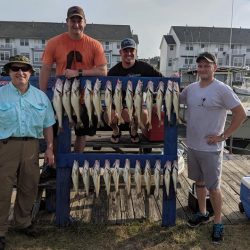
(198,219)
(2,242)
(218,233)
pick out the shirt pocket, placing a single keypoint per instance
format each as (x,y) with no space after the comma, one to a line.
(37,114)
(8,115)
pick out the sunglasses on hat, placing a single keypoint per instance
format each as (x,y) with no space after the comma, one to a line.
(22,68)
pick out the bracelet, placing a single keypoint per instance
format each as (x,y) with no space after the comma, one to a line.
(80,72)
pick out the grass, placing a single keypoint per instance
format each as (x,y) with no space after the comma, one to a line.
(134,236)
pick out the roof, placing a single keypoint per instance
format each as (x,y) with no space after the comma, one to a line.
(169,39)
(45,30)
(211,34)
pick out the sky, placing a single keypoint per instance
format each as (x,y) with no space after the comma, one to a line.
(149,19)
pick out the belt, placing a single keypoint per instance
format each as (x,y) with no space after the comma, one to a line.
(25,138)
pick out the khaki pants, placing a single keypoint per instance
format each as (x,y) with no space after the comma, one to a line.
(19,164)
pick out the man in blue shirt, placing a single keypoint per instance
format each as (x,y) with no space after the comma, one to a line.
(26,115)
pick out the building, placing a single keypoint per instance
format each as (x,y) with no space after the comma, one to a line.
(30,38)
(179,49)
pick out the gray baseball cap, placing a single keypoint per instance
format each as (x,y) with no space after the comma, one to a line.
(128,43)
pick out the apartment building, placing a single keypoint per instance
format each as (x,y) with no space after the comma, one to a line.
(30,38)
(179,49)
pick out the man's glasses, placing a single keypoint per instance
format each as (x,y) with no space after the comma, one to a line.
(17,68)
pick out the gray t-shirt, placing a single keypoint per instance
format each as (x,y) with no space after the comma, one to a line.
(206,112)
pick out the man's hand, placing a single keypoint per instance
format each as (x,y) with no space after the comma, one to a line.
(213,139)
(49,157)
(69,73)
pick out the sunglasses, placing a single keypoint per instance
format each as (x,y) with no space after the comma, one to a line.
(22,68)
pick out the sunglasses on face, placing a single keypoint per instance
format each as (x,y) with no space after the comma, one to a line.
(22,68)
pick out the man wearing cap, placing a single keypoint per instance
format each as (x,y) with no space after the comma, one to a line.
(207,103)
(26,115)
(129,66)
(75,54)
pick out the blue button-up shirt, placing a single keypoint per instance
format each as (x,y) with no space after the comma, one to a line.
(24,114)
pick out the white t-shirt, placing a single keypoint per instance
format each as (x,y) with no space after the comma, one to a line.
(206,112)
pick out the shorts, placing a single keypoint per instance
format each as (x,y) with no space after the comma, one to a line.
(205,166)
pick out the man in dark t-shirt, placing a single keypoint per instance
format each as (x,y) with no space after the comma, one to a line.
(129,66)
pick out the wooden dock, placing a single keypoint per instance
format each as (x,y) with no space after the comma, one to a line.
(121,208)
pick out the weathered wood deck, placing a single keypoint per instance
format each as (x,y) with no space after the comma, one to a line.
(121,208)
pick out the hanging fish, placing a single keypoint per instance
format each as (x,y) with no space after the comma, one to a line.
(75,101)
(66,100)
(138,103)
(127,176)
(96,177)
(157,177)
(169,99)
(97,103)
(115,174)
(57,103)
(147,176)
(88,100)
(129,100)
(149,103)
(107,176)
(175,174)
(75,176)
(159,99)
(108,100)
(118,101)
(85,172)
(167,176)
(137,176)
(176,93)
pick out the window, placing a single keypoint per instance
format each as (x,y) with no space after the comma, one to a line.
(220,61)
(171,47)
(38,57)
(238,61)
(4,55)
(108,58)
(189,47)
(118,46)
(221,47)
(202,45)
(170,62)
(238,76)
(247,62)
(24,42)
(37,71)
(106,46)
(188,61)
(26,54)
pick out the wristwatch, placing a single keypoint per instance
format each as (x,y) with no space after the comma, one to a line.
(223,136)
(80,72)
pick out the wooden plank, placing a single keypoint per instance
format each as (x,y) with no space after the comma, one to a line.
(153,213)
(127,211)
(88,208)
(138,204)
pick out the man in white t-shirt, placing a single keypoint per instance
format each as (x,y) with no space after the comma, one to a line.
(207,103)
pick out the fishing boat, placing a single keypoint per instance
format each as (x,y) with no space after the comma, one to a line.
(244,89)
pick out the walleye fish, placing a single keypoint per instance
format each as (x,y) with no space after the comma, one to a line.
(169,99)
(85,172)
(107,176)
(57,103)
(157,177)
(138,102)
(108,100)
(137,176)
(149,103)
(175,174)
(75,101)
(115,174)
(127,176)
(129,100)
(88,100)
(96,177)
(66,101)
(75,176)
(159,99)
(97,102)
(118,101)
(176,93)
(147,176)
(167,176)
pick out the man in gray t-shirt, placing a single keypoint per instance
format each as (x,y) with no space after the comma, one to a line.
(207,103)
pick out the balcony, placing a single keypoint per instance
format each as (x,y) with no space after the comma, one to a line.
(6,46)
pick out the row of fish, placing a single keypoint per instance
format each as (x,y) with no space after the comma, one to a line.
(67,95)
(114,172)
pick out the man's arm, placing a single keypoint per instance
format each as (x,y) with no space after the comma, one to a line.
(44,77)
(238,117)
(49,155)
(95,71)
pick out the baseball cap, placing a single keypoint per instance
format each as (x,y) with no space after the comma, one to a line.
(75,11)
(128,43)
(206,56)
